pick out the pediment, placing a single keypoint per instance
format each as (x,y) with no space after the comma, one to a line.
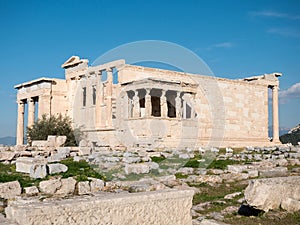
(72,61)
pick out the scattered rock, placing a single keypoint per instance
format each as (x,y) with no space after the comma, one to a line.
(31,191)
(290,205)
(24,164)
(38,171)
(233,195)
(211,179)
(57,168)
(50,186)
(67,186)
(7,156)
(274,172)
(137,168)
(268,193)
(96,185)
(211,222)
(84,187)
(10,190)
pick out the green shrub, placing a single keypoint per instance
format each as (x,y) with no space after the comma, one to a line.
(194,162)
(53,125)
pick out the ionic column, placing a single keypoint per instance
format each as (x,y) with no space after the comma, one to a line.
(136,105)
(163,104)
(31,112)
(178,105)
(20,123)
(98,113)
(148,105)
(275,114)
(109,97)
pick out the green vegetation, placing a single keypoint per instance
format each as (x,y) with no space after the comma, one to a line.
(209,193)
(221,164)
(194,162)
(181,176)
(8,173)
(80,170)
(157,159)
(53,125)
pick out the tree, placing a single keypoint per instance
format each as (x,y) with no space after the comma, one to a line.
(53,125)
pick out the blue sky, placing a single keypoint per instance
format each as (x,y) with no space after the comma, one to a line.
(235,38)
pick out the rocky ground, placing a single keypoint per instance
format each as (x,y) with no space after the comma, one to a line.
(219,177)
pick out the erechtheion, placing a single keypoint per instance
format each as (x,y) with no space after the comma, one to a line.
(120,104)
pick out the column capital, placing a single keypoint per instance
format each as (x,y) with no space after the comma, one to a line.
(20,102)
(108,70)
(148,90)
(30,99)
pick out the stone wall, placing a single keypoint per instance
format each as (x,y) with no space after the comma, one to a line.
(161,207)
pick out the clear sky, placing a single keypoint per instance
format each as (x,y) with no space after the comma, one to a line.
(235,38)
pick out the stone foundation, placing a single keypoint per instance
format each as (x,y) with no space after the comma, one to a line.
(160,207)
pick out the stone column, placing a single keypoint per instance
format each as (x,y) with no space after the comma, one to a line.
(109,97)
(163,104)
(136,105)
(275,114)
(148,104)
(20,123)
(178,105)
(31,112)
(98,109)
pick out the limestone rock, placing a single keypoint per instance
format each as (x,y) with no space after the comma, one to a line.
(290,205)
(24,164)
(67,186)
(50,186)
(84,187)
(84,151)
(186,170)
(84,148)
(31,191)
(274,172)
(137,168)
(237,168)
(268,193)
(60,141)
(152,165)
(131,159)
(5,221)
(96,185)
(232,177)
(212,179)
(38,171)
(211,222)
(57,168)
(233,195)
(10,189)
(7,156)
(170,207)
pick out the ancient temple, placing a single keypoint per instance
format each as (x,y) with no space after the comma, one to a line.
(120,104)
